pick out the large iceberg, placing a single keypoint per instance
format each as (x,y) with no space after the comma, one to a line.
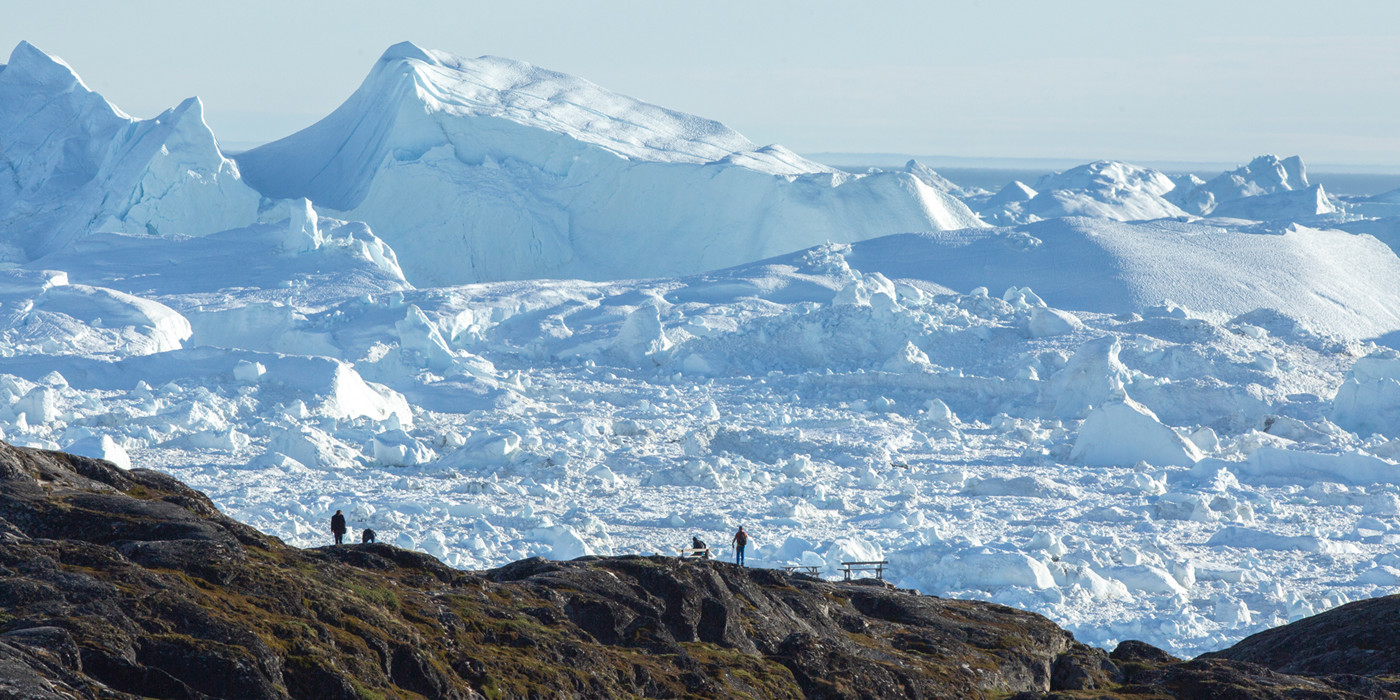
(78,165)
(492,169)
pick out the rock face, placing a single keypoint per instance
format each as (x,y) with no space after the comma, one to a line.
(121,583)
(1360,638)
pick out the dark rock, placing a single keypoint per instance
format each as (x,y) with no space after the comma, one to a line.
(27,676)
(55,645)
(1360,638)
(1134,651)
(1083,668)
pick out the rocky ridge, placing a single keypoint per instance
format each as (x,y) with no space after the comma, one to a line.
(119,584)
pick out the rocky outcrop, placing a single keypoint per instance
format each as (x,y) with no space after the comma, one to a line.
(122,584)
(1360,638)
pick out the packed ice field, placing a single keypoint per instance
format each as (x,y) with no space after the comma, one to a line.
(1121,407)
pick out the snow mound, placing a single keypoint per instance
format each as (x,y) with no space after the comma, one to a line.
(1017,191)
(492,169)
(80,165)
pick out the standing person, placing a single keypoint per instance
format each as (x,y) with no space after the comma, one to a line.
(338,526)
(741,538)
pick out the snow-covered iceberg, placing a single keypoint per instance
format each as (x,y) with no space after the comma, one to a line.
(1103,189)
(1265,175)
(492,169)
(77,165)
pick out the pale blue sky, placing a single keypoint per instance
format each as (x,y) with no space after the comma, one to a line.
(1183,81)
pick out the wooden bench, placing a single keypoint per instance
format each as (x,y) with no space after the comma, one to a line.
(799,569)
(698,552)
(850,567)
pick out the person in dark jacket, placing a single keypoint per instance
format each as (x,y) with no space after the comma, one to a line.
(367,536)
(741,538)
(697,543)
(338,526)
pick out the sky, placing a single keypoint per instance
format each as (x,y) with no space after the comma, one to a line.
(1187,81)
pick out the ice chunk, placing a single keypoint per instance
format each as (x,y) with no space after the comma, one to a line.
(398,449)
(1147,578)
(641,335)
(1092,376)
(1101,588)
(988,569)
(41,405)
(1369,400)
(563,541)
(313,447)
(103,447)
(1027,486)
(1122,433)
(1206,440)
(1239,536)
(1231,612)
(848,549)
(1045,321)
(1272,465)
(246,371)
(302,233)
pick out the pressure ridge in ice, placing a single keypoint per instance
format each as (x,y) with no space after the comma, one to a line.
(490,169)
